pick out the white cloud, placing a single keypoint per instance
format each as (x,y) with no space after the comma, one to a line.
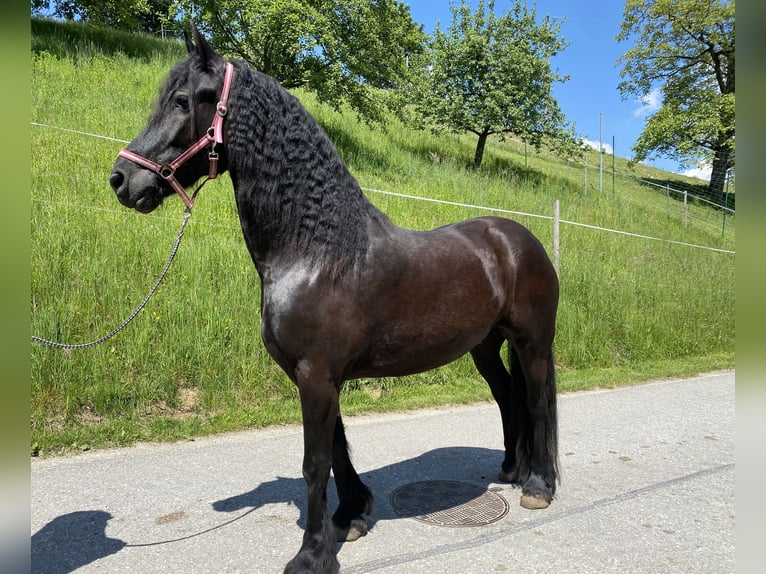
(650,103)
(702,171)
(594,145)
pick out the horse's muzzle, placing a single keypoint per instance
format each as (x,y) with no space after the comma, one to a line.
(138,190)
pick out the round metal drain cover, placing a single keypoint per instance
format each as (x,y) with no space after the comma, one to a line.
(448,503)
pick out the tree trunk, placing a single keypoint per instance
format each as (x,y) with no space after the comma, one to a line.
(479,155)
(718,176)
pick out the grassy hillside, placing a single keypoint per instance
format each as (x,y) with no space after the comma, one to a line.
(193,362)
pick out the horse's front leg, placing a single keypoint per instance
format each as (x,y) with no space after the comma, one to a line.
(319,405)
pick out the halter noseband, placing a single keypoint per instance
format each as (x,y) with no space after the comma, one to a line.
(214,135)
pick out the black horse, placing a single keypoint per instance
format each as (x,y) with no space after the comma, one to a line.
(346,293)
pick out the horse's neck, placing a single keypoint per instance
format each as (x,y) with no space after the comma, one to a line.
(295,196)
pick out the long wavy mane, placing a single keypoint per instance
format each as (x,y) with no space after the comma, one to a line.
(290,178)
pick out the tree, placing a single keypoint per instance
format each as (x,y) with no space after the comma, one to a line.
(684,49)
(489,74)
(343,50)
(129,15)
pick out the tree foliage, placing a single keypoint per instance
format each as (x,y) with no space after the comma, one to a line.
(489,74)
(685,49)
(344,51)
(129,15)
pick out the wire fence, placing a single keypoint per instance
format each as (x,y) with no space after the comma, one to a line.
(686,194)
(599,178)
(557,221)
(621,300)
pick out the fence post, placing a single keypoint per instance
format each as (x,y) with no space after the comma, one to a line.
(601,152)
(613,168)
(585,172)
(686,208)
(556,235)
(526,164)
(725,205)
(667,199)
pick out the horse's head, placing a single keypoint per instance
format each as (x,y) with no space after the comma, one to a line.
(151,166)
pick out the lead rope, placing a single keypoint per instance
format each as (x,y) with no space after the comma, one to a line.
(173,251)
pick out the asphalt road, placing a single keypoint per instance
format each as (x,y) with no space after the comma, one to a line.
(647,487)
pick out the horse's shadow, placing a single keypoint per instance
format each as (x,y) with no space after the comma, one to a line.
(473,465)
(76,539)
(72,540)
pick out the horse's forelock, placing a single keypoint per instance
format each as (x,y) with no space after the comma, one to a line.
(176,79)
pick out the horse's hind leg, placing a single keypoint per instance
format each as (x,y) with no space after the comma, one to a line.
(355,498)
(509,391)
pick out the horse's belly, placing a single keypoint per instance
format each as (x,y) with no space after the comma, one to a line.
(432,319)
(404,349)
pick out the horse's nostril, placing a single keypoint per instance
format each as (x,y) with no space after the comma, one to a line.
(116,180)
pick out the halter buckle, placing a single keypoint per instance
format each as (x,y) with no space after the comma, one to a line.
(166,172)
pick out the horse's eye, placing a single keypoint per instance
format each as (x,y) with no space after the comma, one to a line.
(181,101)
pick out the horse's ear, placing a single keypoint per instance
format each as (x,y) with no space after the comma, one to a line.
(203,49)
(187,39)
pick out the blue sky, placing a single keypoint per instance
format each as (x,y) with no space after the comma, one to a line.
(590,61)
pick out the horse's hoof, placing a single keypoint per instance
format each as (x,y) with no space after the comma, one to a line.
(534,502)
(306,563)
(354,531)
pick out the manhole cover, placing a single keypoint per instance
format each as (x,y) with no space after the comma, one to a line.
(448,503)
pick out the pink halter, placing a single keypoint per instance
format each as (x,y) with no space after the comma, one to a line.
(213,135)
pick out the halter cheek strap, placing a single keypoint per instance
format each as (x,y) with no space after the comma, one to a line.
(213,136)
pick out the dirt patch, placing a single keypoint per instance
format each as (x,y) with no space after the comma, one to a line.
(86,416)
(172,517)
(188,399)
(189,404)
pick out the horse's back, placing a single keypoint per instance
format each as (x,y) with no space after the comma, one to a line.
(518,254)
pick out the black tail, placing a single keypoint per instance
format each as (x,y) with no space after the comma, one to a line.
(519,393)
(552,425)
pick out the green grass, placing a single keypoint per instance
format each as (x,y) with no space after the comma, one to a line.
(192,363)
